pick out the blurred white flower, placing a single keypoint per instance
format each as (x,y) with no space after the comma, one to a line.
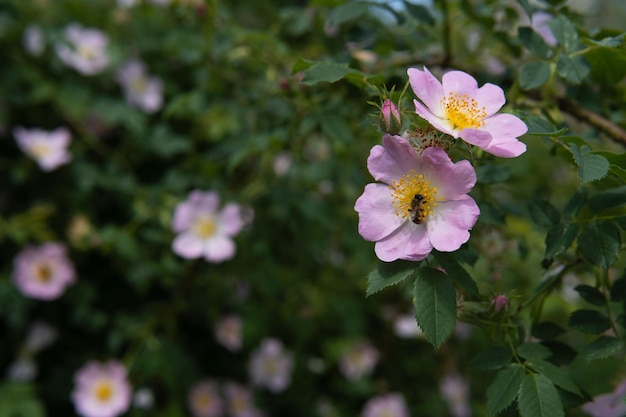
(240,401)
(405,326)
(24,369)
(34,41)
(228,332)
(101,390)
(282,163)
(143,399)
(359,359)
(270,366)
(455,392)
(140,89)
(48,149)
(204,400)
(387,405)
(84,49)
(40,336)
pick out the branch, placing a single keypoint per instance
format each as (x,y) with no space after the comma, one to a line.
(594,119)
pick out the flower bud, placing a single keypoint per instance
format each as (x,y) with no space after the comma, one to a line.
(500,302)
(390,119)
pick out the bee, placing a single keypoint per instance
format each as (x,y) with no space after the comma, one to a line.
(416,210)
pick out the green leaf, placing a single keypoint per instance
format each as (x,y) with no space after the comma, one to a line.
(600,242)
(533,351)
(618,290)
(564,32)
(421,13)
(533,42)
(326,72)
(573,69)
(589,321)
(348,12)
(608,42)
(435,305)
(591,294)
(456,272)
(492,359)
(608,66)
(559,238)
(555,374)
(538,397)
(539,126)
(543,212)
(603,347)
(534,74)
(591,167)
(576,203)
(504,389)
(546,330)
(387,274)
(615,197)
(493,174)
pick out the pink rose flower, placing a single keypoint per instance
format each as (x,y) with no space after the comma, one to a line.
(388,405)
(84,49)
(204,400)
(101,390)
(140,90)
(48,149)
(420,203)
(456,393)
(457,107)
(203,230)
(358,360)
(240,401)
(608,405)
(270,366)
(43,272)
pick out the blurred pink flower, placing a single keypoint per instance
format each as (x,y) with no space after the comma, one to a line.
(387,405)
(500,302)
(34,41)
(270,366)
(228,332)
(48,149)
(359,359)
(84,49)
(204,400)
(43,272)
(608,405)
(539,21)
(101,390)
(203,230)
(240,401)
(455,392)
(421,201)
(140,90)
(405,326)
(457,107)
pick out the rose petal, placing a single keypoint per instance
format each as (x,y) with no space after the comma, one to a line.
(219,248)
(392,160)
(491,97)
(188,245)
(377,217)
(427,88)
(448,228)
(459,82)
(453,180)
(409,242)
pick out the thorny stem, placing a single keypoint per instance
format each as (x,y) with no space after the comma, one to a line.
(601,123)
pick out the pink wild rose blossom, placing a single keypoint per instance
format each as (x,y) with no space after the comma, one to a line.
(84,49)
(101,390)
(612,404)
(203,230)
(204,400)
(140,90)
(240,401)
(387,405)
(48,149)
(270,366)
(420,203)
(457,107)
(43,272)
(358,360)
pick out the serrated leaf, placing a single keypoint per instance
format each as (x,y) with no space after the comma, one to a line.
(538,126)
(559,238)
(326,71)
(564,32)
(492,359)
(576,203)
(546,330)
(538,397)
(533,42)
(533,351)
(591,295)
(573,69)
(591,167)
(493,174)
(555,374)
(534,74)
(608,42)
(387,274)
(589,321)
(608,66)
(543,212)
(435,305)
(420,13)
(615,197)
(603,347)
(600,242)
(618,290)
(504,389)
(456,272)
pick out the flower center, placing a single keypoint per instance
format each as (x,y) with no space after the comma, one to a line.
(87,52)
(39,150)
(205,227)
(103,391)
(139,85)
(414,197)
(463,112)
(43,273)
(204,401)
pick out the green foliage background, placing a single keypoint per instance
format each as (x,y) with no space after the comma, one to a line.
(247,81)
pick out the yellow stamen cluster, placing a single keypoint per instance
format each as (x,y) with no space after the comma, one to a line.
(463,112)
(403,194)
(103,391)
(43,273)
(205,227)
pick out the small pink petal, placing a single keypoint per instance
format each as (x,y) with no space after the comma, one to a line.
(409,242)
(375,208)
(427,88)
(188,245)
(459,82)
(448,228)
(218,249)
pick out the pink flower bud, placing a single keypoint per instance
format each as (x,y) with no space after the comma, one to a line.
(499,302)
(390,119)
